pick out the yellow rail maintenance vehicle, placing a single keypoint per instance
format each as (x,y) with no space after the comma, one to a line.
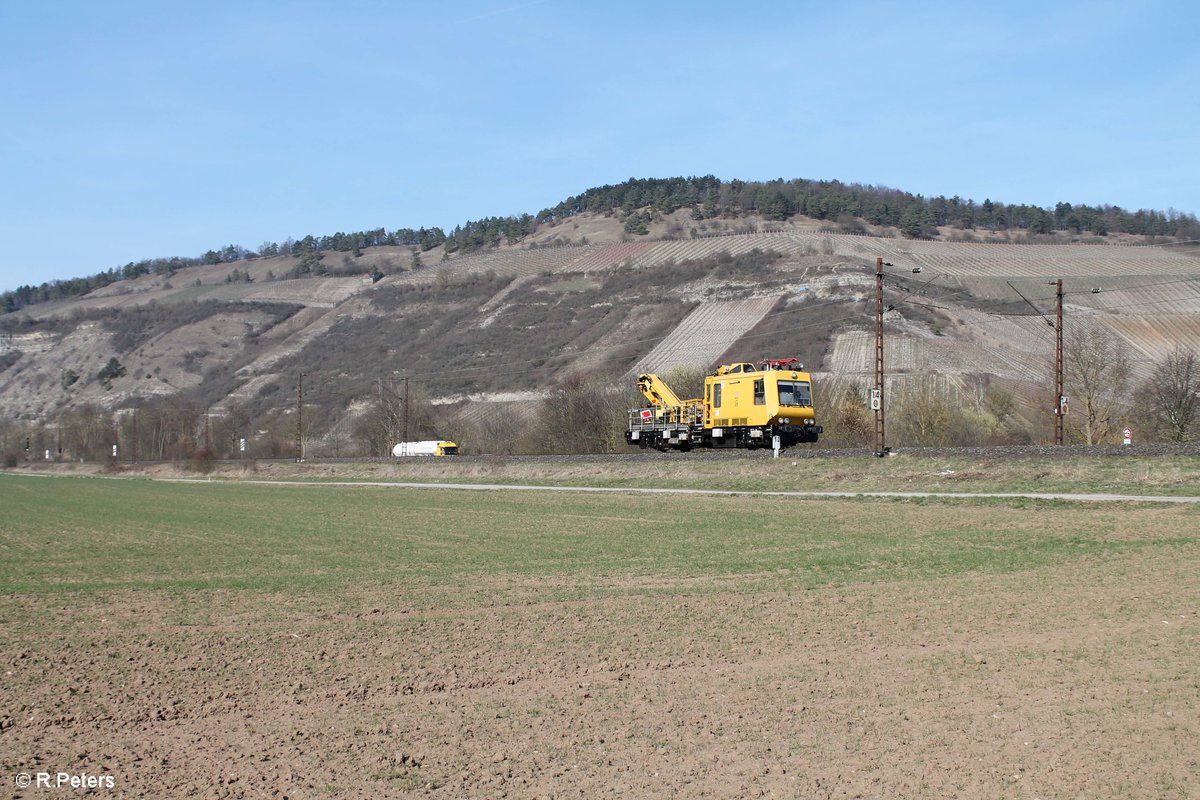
(744,405)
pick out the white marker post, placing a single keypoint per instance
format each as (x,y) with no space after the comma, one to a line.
(1128,436)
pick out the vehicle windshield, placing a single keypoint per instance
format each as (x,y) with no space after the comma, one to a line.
(795,393)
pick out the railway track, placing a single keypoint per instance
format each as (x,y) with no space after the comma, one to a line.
(802,452)
(1012,452)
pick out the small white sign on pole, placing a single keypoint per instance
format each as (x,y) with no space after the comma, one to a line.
(1128,436)
(775,443)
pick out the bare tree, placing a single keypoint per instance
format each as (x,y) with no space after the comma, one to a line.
(1001,404)
(172,428)
(88,432)
(337,439)
(234,427)
(584,415)
(12,441)
(385,424)
(846,419)
(1097,374)
(922,416)
(1171,395)
(500,431)
(687,380)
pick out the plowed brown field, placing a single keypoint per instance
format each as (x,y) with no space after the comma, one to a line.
(230,641)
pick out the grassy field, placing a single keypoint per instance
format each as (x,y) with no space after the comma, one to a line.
(79,533)
(375,641)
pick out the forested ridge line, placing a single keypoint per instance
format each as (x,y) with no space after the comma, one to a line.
(637,202)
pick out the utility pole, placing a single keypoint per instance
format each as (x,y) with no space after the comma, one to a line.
(877,393)
(1060,399)
(300,418)
(406,415)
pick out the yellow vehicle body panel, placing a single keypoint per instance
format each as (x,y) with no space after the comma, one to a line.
(758,398)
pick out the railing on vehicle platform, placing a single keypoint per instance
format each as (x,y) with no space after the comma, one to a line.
(689,415)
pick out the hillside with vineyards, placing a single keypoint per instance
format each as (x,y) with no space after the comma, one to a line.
(526,334)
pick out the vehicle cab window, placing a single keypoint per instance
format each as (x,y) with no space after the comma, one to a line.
(795,393)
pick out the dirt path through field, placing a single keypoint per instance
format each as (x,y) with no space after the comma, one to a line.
(1067,496)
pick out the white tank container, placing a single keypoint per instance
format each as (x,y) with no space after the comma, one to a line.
(416,449)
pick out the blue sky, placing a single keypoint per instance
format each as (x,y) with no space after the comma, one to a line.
(135,130)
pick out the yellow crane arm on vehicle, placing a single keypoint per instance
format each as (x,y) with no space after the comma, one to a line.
(657,392)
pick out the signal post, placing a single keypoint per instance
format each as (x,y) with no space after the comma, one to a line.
(1060,399)
(877,393)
